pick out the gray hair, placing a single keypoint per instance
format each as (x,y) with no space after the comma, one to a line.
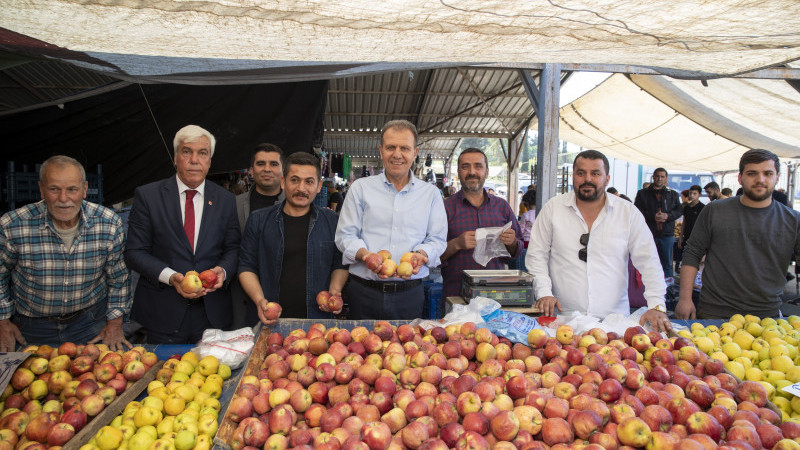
(400,125)
(191,133)
(60,161)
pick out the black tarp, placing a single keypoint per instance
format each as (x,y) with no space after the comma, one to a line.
(120,129)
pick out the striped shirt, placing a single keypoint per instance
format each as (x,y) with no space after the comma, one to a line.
(40,276)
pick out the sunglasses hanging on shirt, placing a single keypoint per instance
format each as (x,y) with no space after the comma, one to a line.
(582,253)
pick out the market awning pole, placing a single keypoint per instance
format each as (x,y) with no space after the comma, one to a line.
(547,151)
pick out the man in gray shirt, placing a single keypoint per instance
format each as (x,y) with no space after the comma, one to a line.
(748,243)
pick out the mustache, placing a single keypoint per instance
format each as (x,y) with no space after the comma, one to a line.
(587,184)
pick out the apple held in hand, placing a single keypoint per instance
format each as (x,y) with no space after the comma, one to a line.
(388,268)
(335,303)
(191,282)
(273,311)
(327,301)
(412,257)
(208,278)
(322,299)
(405,269)
(373,261)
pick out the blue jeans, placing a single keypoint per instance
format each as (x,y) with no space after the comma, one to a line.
(80,329)
(664,247)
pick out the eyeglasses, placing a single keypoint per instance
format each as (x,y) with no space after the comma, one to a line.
(582,253)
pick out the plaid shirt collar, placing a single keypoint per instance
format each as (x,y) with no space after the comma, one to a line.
(45,221)
(487,199)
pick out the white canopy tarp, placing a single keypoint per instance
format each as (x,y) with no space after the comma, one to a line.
(651,120)
(178,41)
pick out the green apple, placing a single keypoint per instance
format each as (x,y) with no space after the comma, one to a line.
(185,440)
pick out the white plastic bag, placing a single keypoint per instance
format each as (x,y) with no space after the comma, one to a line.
(488,244)
(229,347)
(617,323)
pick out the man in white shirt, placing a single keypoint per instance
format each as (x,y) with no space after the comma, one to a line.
(580,245)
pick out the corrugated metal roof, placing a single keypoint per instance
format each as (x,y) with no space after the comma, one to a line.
(25,83)
(444,104)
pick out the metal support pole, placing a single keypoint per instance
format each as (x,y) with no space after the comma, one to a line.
(547,152)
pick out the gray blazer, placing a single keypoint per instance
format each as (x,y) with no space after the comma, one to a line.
(243,207)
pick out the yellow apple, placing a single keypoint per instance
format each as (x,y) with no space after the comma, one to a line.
(108,438)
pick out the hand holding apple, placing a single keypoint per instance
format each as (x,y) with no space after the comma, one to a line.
(209,278)
(188,285)
(330,302)
(268,311)
(373,261)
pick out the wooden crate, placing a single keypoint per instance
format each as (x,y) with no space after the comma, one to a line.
(227,426)
(112,410)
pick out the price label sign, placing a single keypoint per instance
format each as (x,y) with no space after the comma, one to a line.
(8,364)
(793,389)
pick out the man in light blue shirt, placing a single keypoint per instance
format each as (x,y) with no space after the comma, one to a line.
(393,211)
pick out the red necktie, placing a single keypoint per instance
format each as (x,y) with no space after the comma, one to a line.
(188,217)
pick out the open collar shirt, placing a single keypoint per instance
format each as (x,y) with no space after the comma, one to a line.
(463,216)
(40,276)
(599,286)
(376,216)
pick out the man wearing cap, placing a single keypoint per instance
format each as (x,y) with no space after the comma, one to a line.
(397,212)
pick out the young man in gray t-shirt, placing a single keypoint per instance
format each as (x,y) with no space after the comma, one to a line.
(748,243)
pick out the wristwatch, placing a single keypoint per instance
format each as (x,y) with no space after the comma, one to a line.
(660,308)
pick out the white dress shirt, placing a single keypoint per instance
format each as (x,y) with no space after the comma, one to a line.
(376,216)
(599,286)
(198,216)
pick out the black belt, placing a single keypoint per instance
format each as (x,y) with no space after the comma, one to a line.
(64,318)
(387,287)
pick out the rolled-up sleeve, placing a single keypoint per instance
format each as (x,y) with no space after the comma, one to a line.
(118,276)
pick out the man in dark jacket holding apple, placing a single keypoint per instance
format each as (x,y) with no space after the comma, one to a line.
(180,224)
(288,254)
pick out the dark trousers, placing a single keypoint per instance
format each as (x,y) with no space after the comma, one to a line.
(664,247)
(80,327)
(193,323)
(243,309)
(369,303)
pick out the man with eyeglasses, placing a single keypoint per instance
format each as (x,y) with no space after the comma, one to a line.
(580,246)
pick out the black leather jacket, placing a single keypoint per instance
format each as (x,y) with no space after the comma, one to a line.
(649,206)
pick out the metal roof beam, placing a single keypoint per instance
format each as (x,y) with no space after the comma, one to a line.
(773,73)
(439,134)
(470,108)
(431,93)
(480,96)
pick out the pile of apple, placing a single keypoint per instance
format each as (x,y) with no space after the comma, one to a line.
(384,265)
(462,387)
(179,413)
(53,394)
(756,349)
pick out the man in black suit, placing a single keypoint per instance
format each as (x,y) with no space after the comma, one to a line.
(179,224)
